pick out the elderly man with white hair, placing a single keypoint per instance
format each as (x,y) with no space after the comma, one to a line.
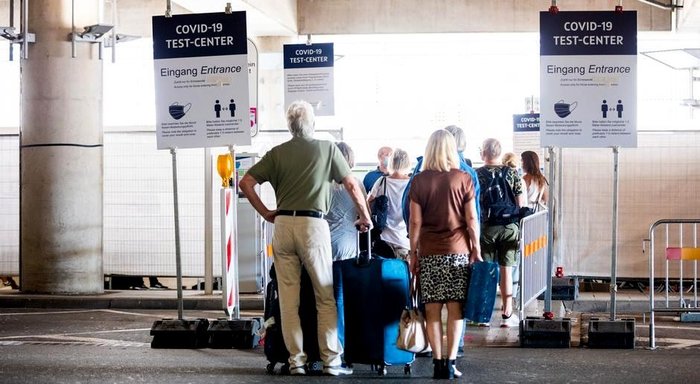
(301,172)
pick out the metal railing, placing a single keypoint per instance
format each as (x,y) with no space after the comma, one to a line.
(678,251)
(533,257)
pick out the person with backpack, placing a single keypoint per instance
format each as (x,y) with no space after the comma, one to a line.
(393,239)
(501,198)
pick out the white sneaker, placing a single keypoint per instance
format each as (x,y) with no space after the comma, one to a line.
(510,321)
(337,370)
(298,370)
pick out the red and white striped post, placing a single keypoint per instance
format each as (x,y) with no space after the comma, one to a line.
(229,240)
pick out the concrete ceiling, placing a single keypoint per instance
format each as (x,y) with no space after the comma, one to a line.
(301,17)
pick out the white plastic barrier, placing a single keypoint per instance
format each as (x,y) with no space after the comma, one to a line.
(679,247)
(533,258)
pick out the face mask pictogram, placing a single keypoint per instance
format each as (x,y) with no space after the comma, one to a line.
(563,109)
(177,111)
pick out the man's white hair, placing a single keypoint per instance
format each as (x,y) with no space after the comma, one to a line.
(301,119)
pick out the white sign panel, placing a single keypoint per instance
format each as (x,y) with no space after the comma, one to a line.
(526,133)
(308,75)
(253,86)
(588,79)
(201,80)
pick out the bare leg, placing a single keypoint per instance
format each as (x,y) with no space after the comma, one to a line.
(454,328)
(434,327)
(506,286)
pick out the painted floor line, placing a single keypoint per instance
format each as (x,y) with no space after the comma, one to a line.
(50,312)
(59,335)
(675,343)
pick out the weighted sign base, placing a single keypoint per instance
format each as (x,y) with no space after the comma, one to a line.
(619,334)
(179,333)
(564,288)
(537,332)
(236,333)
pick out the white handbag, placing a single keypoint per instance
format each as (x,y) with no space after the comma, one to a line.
(413,336)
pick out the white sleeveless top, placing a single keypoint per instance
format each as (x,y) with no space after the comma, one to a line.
(533,197)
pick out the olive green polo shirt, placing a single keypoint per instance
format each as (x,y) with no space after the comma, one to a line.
(301,172)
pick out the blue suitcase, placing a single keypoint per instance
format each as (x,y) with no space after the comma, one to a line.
(481,292)
(375,292)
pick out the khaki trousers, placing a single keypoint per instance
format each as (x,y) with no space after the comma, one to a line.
(306,241)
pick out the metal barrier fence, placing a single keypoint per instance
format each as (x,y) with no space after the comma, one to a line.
(533,257)
(138,215)
(678,250)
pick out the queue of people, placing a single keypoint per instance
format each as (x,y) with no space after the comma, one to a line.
(438,218)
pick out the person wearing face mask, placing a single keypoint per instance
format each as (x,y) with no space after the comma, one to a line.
(383,155)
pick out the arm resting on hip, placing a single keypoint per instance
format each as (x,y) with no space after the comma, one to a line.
(247,186)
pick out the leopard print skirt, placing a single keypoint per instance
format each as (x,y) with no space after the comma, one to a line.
(443,277)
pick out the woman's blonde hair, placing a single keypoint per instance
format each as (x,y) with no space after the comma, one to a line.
(510,160)
(441,152)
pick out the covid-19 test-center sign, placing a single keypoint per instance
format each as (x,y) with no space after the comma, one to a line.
(588,79)
(308,75)
(201,80)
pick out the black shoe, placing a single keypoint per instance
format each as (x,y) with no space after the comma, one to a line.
(158,285)
(10,282)
(139,287)
(438,368)
(447,370)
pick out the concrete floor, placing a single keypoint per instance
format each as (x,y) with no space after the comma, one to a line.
(96,344)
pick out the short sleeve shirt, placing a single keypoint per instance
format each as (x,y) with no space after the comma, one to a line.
(301,172)
(486,173)
(443,198)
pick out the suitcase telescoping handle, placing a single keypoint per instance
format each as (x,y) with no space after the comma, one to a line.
(359,259)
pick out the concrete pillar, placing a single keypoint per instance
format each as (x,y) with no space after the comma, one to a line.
(61,154)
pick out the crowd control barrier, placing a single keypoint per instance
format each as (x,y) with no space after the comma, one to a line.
(533,258)
(679,247)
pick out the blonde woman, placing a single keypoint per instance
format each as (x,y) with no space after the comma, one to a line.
(510,160)
(444,238)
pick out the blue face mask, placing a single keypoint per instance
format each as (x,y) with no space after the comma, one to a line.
(385,162)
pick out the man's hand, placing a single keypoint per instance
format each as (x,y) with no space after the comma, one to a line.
(269,216)
(363,225)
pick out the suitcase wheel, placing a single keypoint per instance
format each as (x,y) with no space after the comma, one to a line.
(407,369)
(270,369)
(381,370)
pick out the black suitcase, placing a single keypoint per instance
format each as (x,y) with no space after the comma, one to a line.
(275,349)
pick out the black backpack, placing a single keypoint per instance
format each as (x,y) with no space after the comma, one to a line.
(498,206)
